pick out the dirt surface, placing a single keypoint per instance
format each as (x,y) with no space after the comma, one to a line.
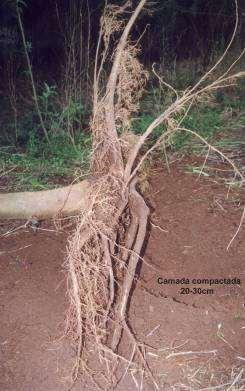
(195,338)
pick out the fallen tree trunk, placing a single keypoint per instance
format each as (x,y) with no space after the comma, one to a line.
(46,203)
(106,245)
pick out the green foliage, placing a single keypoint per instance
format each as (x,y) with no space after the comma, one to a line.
(225,110)
(58,117)
(234,101)
(44,164)
(206,121)
(32,162)
(139,125)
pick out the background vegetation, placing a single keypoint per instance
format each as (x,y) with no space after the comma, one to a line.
(182,38)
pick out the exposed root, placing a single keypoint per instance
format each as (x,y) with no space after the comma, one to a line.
(140,212)
(112,227)
(97,306)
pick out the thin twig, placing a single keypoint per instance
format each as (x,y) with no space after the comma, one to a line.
(237,231)
(31,74)
(17,249)
(190,353)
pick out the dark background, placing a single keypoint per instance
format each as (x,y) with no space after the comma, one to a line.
(61,38)
(174,29)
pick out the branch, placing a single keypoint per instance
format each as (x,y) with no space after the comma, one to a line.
(236,170)
(188,96)
(174,108)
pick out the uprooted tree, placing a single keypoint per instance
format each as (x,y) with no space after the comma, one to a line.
(112,216)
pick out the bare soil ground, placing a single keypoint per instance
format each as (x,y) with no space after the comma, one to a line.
(195,339)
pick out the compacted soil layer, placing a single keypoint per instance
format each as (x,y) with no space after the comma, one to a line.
(194,329)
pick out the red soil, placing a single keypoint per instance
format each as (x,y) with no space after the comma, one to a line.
(191,225)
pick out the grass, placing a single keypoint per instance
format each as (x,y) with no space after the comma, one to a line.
(42,165)
(214,119)
(27,160)
(39,165)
